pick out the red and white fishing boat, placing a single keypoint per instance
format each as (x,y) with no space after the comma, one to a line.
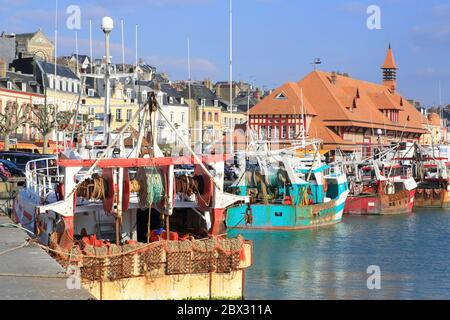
(134,226)
(376,189)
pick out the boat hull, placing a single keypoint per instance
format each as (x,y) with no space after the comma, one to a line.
(287,217)
(398,203)
(432,198)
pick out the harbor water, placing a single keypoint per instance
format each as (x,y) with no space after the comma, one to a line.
(411,251)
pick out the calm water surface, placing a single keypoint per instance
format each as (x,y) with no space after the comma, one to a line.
(413,252)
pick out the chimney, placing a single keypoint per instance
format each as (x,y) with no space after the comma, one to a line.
(333,78)
(257,94)
(2,68)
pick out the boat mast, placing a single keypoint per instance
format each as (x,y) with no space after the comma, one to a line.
(231,75)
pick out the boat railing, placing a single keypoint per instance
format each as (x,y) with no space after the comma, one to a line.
(42,176)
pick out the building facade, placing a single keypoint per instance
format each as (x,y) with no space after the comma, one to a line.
(345,113)
(35,44)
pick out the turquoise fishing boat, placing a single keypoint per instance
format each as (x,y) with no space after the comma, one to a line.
(288,193)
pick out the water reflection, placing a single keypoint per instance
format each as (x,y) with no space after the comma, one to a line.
(411,250)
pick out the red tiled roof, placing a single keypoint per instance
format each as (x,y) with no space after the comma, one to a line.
(285,100)
(333,103)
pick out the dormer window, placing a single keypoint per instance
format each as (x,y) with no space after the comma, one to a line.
(9,85)
(281,96)
(24,87)
(171,100)
(91,92)
(182,100)
(216,103)
(203,102)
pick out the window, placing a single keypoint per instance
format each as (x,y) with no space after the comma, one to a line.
(172,116)
(119,115)
(210,119)
(225,120)
(63,85)
(75,87)
(129,115)
(216,103)
(182,100)
(281,96)
(144,96)
(9,85)
(263,133)
(57,84)
(291,132)
(170,100)
(203,102)
(269,135)
(91,111)
(69,86)
(24,87)
(216,117)
(284,132)
(91,92)
(129,93)
(183,117)
(204,116)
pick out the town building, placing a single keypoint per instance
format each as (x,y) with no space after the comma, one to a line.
(205,114)
(345,113)
(35,44)
(432,124)
(23,90)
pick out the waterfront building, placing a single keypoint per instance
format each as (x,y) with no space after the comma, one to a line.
(205,114)
(345,113)
(434,135)
(34,44)
(22,89)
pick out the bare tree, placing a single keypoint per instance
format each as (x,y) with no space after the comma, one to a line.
(11,119)
(48,119)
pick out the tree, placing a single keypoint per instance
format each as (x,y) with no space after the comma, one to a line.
(11,119)
(48,119)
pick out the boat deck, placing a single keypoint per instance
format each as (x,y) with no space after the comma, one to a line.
(29,273)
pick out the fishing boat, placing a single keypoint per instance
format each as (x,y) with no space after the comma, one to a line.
(377,189)
(132,224)
(434,185)
(289,193)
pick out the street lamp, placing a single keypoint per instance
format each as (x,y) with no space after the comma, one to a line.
(107,28)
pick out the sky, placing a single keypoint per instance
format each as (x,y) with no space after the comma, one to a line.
(274,41)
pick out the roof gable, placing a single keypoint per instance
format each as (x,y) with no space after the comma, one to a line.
(285,100)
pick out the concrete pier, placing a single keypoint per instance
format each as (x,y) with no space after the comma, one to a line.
(29,273)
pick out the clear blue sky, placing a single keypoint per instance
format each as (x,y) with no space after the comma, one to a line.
(275,40)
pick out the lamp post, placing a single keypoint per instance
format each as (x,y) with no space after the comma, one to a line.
(107,28)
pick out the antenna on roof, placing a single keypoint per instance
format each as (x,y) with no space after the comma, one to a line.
(123,48)
(136,46)
(90,44)
(316,62)
(76,52)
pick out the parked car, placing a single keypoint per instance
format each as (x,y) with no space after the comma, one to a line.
(20,159)
(14,170)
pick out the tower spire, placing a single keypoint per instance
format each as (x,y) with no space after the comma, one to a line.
(390,71)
